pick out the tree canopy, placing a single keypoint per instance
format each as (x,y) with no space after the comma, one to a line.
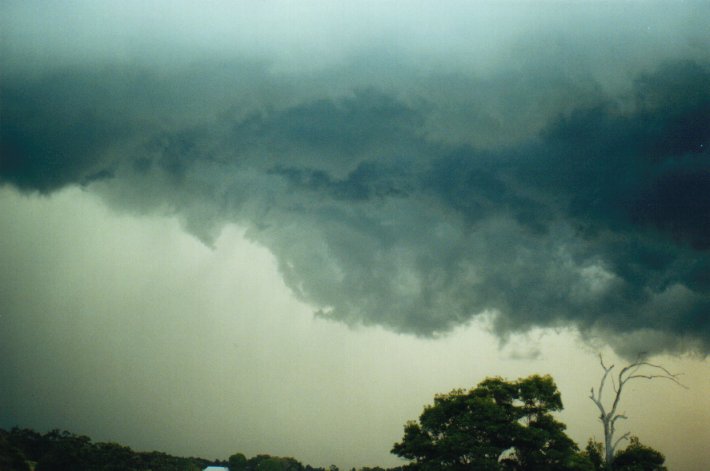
(635,457)
(498,425)
(60,450)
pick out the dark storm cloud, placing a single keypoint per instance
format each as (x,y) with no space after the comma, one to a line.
(52,131)
(554,193)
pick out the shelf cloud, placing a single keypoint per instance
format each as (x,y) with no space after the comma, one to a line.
(544,168)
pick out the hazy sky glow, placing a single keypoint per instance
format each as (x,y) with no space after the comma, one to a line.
(183,186)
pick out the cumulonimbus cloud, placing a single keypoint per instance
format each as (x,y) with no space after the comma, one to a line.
(413,199)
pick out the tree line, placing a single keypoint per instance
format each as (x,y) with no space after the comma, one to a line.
(23,449)
(499,425)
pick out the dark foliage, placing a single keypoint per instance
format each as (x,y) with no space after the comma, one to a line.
(498,425)
(594,451)
(64,451)
(11,458)
(639,457)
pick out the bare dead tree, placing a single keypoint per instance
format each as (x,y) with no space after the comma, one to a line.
(639,369)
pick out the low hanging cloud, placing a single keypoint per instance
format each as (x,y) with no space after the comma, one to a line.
(559,192)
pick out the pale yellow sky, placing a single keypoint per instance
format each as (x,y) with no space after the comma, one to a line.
(128,329)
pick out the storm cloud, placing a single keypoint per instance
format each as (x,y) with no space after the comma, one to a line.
(556,177)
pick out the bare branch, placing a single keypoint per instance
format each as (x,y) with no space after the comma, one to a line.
(628,373)
(598,403)
(670,378)
(617,417)
(618,440)
(666,374)
(603,380)
(601,360)
(659,367)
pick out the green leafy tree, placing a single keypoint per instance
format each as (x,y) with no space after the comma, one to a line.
(594,452)
(499,425)
(237,462)
(638,457)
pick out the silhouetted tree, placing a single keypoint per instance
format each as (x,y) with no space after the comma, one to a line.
(638,457)
(272,463)
(498,425)
(61,450)
(66,452)
(11,458)
(237,462)
(31,443)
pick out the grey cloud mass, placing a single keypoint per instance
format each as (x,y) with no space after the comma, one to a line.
(559,179)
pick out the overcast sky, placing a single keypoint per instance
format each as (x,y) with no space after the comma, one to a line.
(282,228)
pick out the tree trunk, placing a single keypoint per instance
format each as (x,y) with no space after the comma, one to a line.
(608,446)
